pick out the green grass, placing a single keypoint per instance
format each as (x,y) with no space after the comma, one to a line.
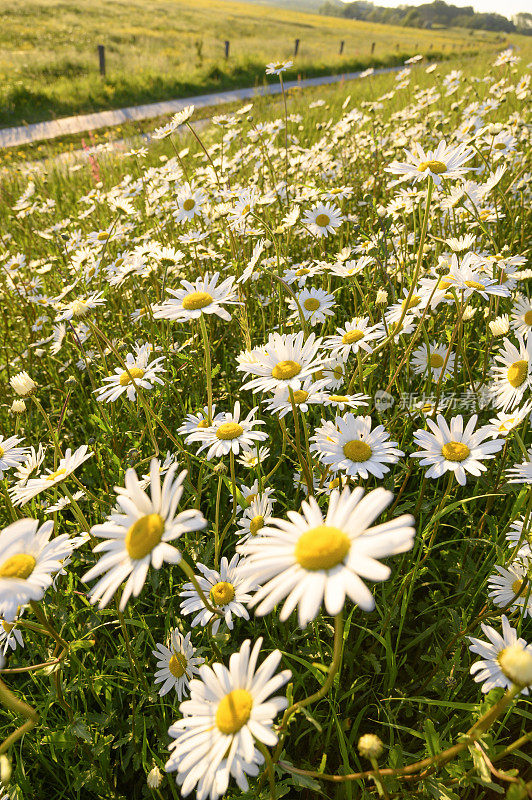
(405,673)
(172,48)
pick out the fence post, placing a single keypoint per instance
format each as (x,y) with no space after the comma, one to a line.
(226,48)
(372,48)
(296,47)
(342,46)
(101,56)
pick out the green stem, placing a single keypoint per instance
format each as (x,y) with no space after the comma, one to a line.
(208,370)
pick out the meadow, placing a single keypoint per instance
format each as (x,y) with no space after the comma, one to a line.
(49,63)
(266,400)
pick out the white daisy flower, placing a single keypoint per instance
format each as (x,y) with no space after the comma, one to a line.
(430,360)
(31,463)
(10,635)
(503,423)
(227,590)
(204,296)
(513,374)
(22,493)
(351,268)
(276,67)
(250,493)
(315,304)
(517,536)
(310,560)
(522,316)
(350,445)
(342,402)
(323,219)
(228,434)
(199,421)
(140,372)
(355,336)
(334,372)
(469,280)
(228,710)
(28,560)
(258,514)
(138,533)
(10,454)
(488,671)
(284,361)
(521,473)
(176,664)
(81,306)
(446,161)
(309,394)
(189,201)
(254,456)
(455,448)
(505,586)
(22,384)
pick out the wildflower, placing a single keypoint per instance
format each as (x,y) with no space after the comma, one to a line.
(22,384)
(492,671)
(204,296)
(176,664)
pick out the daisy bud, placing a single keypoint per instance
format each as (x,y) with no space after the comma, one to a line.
(500,326)
(370,746)
(18,407)
(220,468)
(22,384)
(154,778)
(469,312)
(516,663)
(382,297)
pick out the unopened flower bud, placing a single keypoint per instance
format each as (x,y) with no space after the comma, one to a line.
(5,769)
(370,746)
(500,326)
(154,778)
(220,468)
(22,384)
(18,406)
(382,297)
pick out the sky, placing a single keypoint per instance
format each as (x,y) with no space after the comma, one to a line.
(507,8)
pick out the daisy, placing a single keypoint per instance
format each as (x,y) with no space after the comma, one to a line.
(521,473)
(140,372)
(227,590)
(228,710)
(503,423)
(310,393)
(81,306)
(247,494)
(10,454)
(189,203)
(137,534)
(354,337)
(28,560)
(195,422)
(254,456)
(228,434)
(310,560)
(256,516)
(341,402)
(350,445)
(430,360)
(284,361)
(505,586)
(22,384)
(468,280)
(204,296)
(488,671)
(315,305)
(276,67)
(21,494)
(323,219)
(455,448)
(517,536)
(176,664)
(351,268)
(10,635)
(32,462)
(522,316)
(333,372)
(513,375)
(446,161)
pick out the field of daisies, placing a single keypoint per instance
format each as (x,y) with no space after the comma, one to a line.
(265,451)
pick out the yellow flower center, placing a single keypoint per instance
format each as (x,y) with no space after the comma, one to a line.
(516,586)
(8,626)
(19,566)
(358,451)
(102,236)
(250,498)
(189,204)
(246,209)
(256,524)
(436,360)
(528,318)
(334,484)
(79,308)
(135,372)
(475,285)
(178,665)
(499,146)
(229,430)
(222,593)
(196,300)
(517,373)
(55,475)
(284,370)
(302,271)
(311,304)
(455,451)
(338,372)
(1,452)
(144,535)
(437,167)
(322,547)
(350,337)
(322,220)
(300,396)
(234,711)
(443,284)
(415,300)
(339,398)
(203,423)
